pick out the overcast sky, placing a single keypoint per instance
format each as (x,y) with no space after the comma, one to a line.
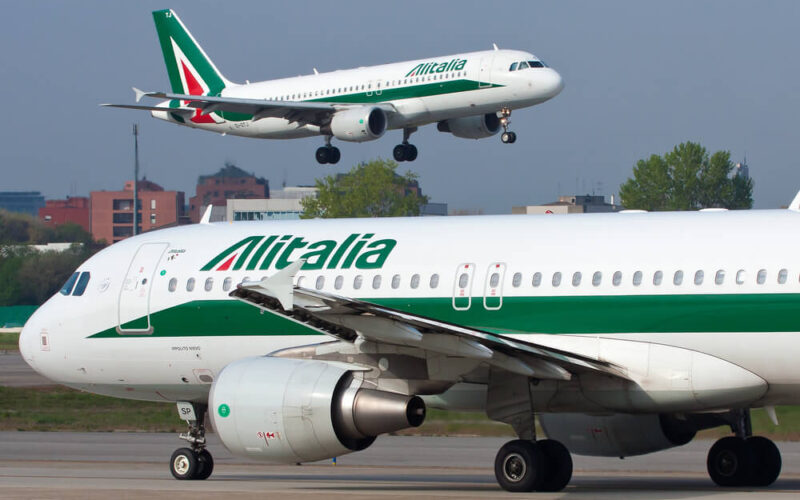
(640,77)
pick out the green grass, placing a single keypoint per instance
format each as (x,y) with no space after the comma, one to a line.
(9,341)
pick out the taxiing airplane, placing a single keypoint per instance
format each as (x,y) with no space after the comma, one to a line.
(469,95)
(625,333)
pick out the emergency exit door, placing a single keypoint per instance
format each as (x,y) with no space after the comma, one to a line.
(493,287)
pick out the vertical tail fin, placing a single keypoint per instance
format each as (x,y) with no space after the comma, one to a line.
(190,70)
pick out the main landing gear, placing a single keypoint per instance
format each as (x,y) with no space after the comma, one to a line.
(327,153)
(743,459)
(506,137)
(405,151)
(194,462)
(526,465)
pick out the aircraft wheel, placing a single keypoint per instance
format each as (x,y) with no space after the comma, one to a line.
(766,459)
(206,463)
(729,462)
(519,466)
(512,137)
(399,153)
(334,155)
(184,464)
(323,155)
(557,465)
(411,152)
(505,137)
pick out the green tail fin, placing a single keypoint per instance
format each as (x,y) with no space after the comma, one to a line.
(190,70)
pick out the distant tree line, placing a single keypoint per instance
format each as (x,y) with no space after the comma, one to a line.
(30,277)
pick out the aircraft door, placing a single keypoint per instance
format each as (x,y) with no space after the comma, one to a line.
(493,288)
(485,75)
(134,297)
(462,287)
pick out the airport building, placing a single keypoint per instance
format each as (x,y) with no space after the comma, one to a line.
(571,204)
(24,202)
(74,209)
(231,182)
(111,213)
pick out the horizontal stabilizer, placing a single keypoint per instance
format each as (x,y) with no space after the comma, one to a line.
(181,111)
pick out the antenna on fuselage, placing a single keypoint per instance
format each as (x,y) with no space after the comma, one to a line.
(495,46)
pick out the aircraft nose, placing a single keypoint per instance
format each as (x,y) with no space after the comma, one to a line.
(552,82)
(29,339)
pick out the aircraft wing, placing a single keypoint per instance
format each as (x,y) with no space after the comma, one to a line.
(316,113)
(188,112)
(349,319)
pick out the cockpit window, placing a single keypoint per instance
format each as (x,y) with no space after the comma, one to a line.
(536,64)
(513,67)
(526,64)
(523,65)
(82,282)
(67,288)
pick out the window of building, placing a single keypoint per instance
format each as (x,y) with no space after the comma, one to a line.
(556,278)
(576,278)
(152,204)
(637,278)
(741,275)
(616,278)
(190,284)
(152,218)
(719,278)
(209,284)
(80,287)
(494,280)
(658,277)
(226,283)
(597,278)
(434,280)
(462,280)
(677,278)
(320,282)
(122,218)
(173,284)
(782,275)
(537,279)
(67,288)
(396,281)
(415,281)
(376,281)
(698,277)
(761,277)
(357,281)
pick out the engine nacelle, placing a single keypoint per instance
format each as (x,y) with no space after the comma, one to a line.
(621,435)
(471,127)
(286,410)
(365,123)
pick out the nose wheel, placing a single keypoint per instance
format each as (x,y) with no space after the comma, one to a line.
(405,151)
(194,462)
(327,153)
(506,137)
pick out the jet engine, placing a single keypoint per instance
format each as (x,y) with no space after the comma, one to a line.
(471,127)
(365,123)
(623,435)
(286,410)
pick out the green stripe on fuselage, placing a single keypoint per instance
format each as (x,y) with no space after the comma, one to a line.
(556,315)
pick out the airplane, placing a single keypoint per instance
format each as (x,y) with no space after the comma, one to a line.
(624,333)
(469,95)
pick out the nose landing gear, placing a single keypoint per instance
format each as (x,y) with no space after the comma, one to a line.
(506,137)
(194,462)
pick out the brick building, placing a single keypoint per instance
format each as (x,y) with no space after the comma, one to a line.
(112,211)
(72,210)
(231,182)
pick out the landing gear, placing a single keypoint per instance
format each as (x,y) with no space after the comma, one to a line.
(743,460)
(523,465)
(405,151)
(327,153)
(506,137)
(194,462)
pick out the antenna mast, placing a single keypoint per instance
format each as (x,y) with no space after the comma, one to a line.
(135,179)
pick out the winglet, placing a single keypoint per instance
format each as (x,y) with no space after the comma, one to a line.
(207,215)
(139,93)
(280,285)
(794,206)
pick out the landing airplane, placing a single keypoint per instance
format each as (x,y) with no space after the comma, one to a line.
(469,95)
(625,333)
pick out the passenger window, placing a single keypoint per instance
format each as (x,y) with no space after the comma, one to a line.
(782,275)
(741,275)
(81,286)
(434,280)
(597,278)
(761,277)
(537,279)
(516,281)
(494,280)
(376,281)
(209,284)
(658,277)
(576,278)
(300,281)
(338,282)
(462,280)
(226,283)
(173,284)
(415,281)
(396,281)
(698,277)
(320,282)
(677,278)
(616,279)
(190,284)
(719,278)
(67,288)
(556,278)
(357,281)
(637,278)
